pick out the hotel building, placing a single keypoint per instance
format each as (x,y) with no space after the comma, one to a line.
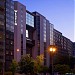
(23,32)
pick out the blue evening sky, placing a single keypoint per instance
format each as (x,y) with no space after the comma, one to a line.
(58,12)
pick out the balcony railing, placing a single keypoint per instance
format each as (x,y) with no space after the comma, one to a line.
(30,42)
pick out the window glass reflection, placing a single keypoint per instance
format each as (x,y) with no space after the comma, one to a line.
(29,19)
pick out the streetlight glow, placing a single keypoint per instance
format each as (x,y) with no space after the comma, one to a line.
(17,50)
(51,49)
(54,49)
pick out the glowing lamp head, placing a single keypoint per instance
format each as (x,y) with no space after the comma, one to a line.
(54,49)
(51,49)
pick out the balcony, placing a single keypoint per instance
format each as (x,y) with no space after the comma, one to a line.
(30,42)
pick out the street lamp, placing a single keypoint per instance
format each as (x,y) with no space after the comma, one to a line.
(52,50)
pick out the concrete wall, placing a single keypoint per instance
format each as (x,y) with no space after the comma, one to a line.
(48,43)
(17,31)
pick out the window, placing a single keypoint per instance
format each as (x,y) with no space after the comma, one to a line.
(15,17)
(11,53)
(29,19)
(44,29)
(2,3)
(27,33)
(7,52)
(11,42)
(1,23)
(21,30)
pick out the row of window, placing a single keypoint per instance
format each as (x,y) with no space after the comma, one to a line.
(1,23)
(29,19)
(44,29)
(2,3)
(11,53)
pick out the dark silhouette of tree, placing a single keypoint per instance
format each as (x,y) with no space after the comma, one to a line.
(1,65)
(62,69)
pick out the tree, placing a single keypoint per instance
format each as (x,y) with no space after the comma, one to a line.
(1,65)
(26,65)
(73,70)
(45,69)
(38,64)
(62,69)
(13,66)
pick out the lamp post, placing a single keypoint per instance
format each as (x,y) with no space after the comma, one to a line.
(52,50)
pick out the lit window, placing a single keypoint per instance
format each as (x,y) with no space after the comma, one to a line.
(27,33)
(7,52)
(11,53)
(15,17)
(11,42)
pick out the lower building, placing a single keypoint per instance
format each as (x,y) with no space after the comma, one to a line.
(73,49)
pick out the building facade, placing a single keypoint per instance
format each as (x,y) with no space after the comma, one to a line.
(19,30)
(6,32)
(31,38)
(64,44)
(57,40)
(44,31)
(24,32)
(73,49)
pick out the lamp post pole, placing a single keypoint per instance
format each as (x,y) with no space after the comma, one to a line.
(52,50)
(51,63)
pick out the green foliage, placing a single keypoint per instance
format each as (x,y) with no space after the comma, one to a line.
(26,64)
(62,69)
(38,67)
(13,66)
(45,69)
(29,65)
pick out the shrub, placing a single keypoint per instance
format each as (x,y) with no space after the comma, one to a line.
(8,73)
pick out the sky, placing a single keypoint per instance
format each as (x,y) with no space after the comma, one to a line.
(59,12)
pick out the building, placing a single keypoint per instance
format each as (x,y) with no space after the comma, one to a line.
(73,49)
(70,47)
(24,32)
(57,40)
(19,30)
(67,46)
(64,44)
(44,31)
(6,32)
(31,37)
